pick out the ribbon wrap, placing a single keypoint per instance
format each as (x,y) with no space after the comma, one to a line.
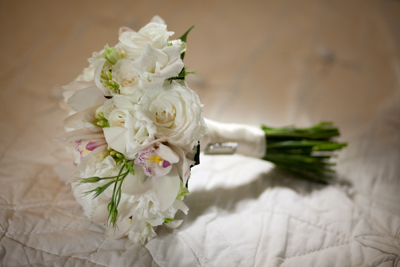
(251,140)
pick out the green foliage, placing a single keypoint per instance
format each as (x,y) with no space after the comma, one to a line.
(304,151)
(182,75)
(117,181)
(183,39)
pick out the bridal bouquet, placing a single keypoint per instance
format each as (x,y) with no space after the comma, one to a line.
(135,127)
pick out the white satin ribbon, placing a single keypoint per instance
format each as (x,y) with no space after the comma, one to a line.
(251,140)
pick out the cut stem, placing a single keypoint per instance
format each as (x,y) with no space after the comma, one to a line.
(304,151)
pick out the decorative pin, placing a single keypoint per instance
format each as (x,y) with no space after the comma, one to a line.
(221,149)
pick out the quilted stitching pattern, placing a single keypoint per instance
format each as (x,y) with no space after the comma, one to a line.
(298,62)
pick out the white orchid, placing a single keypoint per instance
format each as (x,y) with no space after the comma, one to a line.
(157,162)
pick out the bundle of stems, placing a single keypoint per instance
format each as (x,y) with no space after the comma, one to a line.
(304,151)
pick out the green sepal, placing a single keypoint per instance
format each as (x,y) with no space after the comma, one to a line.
(183,191)
(111,54)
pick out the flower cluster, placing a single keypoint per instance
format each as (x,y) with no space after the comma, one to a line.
(134,127)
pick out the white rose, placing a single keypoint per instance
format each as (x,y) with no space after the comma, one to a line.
(126,76)
(117,117)
(119,102)
(157,65)
(154,33)
(180,44)
(137,133)
(177,114)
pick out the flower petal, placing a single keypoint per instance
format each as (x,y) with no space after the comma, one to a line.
(69,137)
(117,138)
(82,120)
(86,98)
(167,153)
(98,67)
(137,184)
(183,165)
(157,19)
(77,85)
(166,189)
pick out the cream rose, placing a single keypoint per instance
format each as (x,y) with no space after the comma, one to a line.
(157,65)
(177,114)
(117,117)
(154,33)
(137,132)
(125,76)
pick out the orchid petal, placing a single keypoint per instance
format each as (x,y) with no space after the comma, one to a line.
(166,189)
(137,184)
(92,145)
(86,98)
(117,138)
(74,86)
(82,134)
(167,153)
(184,164)
(157,162)
(82,120)
(77,85)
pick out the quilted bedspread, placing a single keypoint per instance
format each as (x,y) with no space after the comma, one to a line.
(243,211)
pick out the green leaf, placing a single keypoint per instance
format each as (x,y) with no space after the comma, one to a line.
(99,190)
(182,75)
(183,39)
(184,36)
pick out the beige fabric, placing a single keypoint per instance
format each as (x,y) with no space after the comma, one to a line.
(272,62)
